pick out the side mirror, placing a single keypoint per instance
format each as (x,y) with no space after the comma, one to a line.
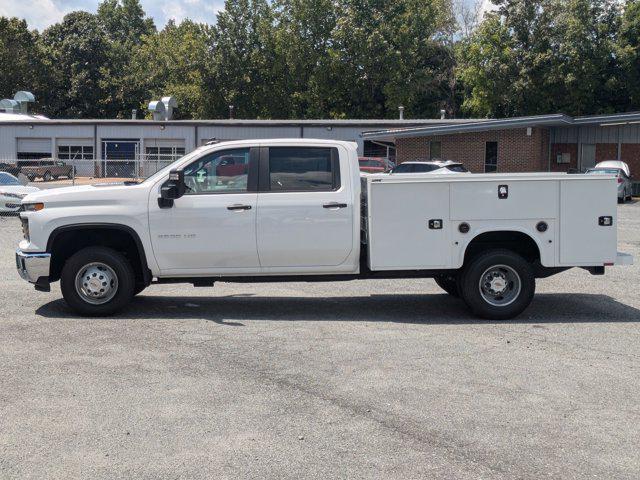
(172,189)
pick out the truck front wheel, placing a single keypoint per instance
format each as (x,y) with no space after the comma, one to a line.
(97,281)
(498,285)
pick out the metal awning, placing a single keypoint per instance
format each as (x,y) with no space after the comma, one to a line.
(554,120)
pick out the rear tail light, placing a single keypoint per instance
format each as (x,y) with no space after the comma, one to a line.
(619,179)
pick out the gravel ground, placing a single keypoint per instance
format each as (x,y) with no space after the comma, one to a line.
(367,379)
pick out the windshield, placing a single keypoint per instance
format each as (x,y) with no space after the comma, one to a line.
(603,171)
(7,179)
(165,171)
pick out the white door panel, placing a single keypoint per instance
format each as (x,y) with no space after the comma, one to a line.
(200,233)
(295,230)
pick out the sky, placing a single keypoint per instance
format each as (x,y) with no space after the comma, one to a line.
(42,13)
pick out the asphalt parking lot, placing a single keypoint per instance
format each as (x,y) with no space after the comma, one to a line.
(368,379)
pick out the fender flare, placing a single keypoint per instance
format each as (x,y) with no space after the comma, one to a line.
(146,273)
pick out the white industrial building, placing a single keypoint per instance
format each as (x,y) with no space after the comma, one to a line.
(27,137)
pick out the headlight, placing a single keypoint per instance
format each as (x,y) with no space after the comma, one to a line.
(11,195)
(32,207)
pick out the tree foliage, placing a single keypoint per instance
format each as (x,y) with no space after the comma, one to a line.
(334,59)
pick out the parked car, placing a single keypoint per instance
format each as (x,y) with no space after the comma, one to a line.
(306,214)
(48,169)
(431,166)
(374,164)
(12,191)
(10,168)
(622,173)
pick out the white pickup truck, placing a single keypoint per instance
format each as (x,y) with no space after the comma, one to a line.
(283,210)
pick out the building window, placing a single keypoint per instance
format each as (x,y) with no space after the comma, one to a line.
(75,152)
(491,157)
(435,150)
(164,153)
(299,169)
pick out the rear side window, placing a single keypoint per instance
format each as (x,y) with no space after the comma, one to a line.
(422,168)
(457,168)
(406,168)
(303,169)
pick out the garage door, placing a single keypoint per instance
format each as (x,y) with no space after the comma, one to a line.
(33,148)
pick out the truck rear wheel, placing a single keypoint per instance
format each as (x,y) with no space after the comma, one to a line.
(498,285)
(449,284)
(97,281)
(47,176)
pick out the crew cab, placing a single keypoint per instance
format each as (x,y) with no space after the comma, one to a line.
(283,210)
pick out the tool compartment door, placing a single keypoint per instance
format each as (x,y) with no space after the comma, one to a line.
(408,226)
(583,241)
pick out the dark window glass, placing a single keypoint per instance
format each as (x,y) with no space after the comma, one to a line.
(457,168)
(403,168)
(422,168)
(491,157)
(435,150)
(301,169)
(32,155)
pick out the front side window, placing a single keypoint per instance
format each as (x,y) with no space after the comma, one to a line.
(302,169)
(225,171)
(403,168)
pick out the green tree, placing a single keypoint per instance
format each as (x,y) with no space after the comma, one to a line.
(23,66)
(541,56)
(629,53)
(303,50)
(77,52)
(176,61)
(386,54)
(244,60)
(125,25)
(124,21)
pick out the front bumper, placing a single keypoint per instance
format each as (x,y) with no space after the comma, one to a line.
(34,268)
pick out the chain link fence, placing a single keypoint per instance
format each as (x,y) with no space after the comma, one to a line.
(51,172)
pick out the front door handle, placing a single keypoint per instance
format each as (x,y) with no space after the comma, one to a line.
(334,205)
(239,207)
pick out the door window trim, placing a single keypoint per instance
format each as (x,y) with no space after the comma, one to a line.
(264,179)
(252,174)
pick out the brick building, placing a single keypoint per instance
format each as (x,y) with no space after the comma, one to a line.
(524,144)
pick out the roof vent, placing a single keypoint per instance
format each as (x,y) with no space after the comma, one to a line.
(443,114)
(24,99)
(9,106)
(401,112)
(163,109)
(157,109)
(169,104)
(19,104)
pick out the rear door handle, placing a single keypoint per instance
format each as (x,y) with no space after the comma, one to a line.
(239,207)
(334,205)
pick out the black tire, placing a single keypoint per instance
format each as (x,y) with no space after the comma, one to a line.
(504,261)
(114,260)
(449,284)
(46,177)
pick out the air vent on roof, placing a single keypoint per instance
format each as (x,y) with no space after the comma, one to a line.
(19,104)
(163,109)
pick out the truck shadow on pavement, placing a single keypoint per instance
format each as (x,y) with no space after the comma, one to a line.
(232,310)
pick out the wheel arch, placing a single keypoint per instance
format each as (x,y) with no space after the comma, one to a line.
(68,239)
(517,240)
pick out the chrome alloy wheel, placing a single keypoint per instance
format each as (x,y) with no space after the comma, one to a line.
(500,285)
(96,283)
